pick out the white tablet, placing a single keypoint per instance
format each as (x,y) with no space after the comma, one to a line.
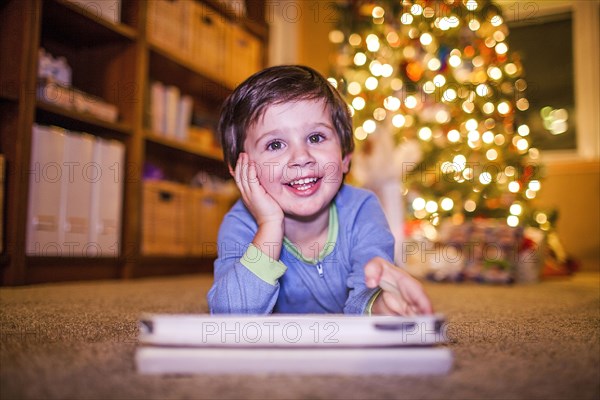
(289,331)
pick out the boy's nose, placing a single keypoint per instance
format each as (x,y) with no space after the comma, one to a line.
(300,156)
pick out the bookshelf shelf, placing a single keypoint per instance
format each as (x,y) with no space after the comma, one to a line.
(115,59)
(82,27)
(251,21)
(177,70)
(50,114)
(186,147)
(8,96)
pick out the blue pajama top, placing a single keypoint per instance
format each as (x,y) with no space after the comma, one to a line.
(247,282)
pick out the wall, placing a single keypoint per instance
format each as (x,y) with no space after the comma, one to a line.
(299,33)
(573,188)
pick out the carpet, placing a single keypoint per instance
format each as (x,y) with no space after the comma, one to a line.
(77,341)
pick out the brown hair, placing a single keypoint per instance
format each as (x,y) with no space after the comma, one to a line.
(276,85)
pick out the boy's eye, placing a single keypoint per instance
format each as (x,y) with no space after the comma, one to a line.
(315,138)
(275,145)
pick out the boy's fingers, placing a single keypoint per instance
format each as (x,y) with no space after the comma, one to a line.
(424,306)
(239,168)
(396,304)
(244,173)
(238,174)
(418,300)
(251,172)
(240,171)
(373,272)
(404,295)
(236,171)
(253,177)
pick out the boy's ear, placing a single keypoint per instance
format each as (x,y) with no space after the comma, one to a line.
(346,163)
(231,171)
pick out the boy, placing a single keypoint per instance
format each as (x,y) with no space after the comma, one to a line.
(300,240)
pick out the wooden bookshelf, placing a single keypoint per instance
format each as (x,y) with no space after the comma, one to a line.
(116,62)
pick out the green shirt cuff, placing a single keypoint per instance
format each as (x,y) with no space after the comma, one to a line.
(259,264)
(371,301)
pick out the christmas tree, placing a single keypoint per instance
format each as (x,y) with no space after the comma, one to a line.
(441,74)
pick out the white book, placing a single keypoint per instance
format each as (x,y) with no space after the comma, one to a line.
(311,361)
(76,199)
(107,198)
(157,105)
(172,95)
(292,344)
(44,238)
(184,117)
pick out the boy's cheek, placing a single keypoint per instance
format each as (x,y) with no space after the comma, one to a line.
(268,173)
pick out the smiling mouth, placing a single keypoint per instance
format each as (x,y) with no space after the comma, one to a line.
(303,184)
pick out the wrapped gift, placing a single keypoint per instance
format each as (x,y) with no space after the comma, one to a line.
(482,250)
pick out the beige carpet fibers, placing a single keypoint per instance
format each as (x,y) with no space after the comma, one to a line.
(77,341)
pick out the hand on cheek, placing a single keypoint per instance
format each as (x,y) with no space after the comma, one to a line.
(401,293)
(263,207)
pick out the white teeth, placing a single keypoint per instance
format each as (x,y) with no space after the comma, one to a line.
(303,181)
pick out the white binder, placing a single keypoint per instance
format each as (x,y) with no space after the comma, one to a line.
(184,117)
(107,198)
(44,236)
(172,95)
(298,344)
(79,173)
(158,103)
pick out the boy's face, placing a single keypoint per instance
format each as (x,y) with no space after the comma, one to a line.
(298,156)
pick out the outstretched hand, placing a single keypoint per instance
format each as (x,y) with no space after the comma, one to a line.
(401,293)
(261,205)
